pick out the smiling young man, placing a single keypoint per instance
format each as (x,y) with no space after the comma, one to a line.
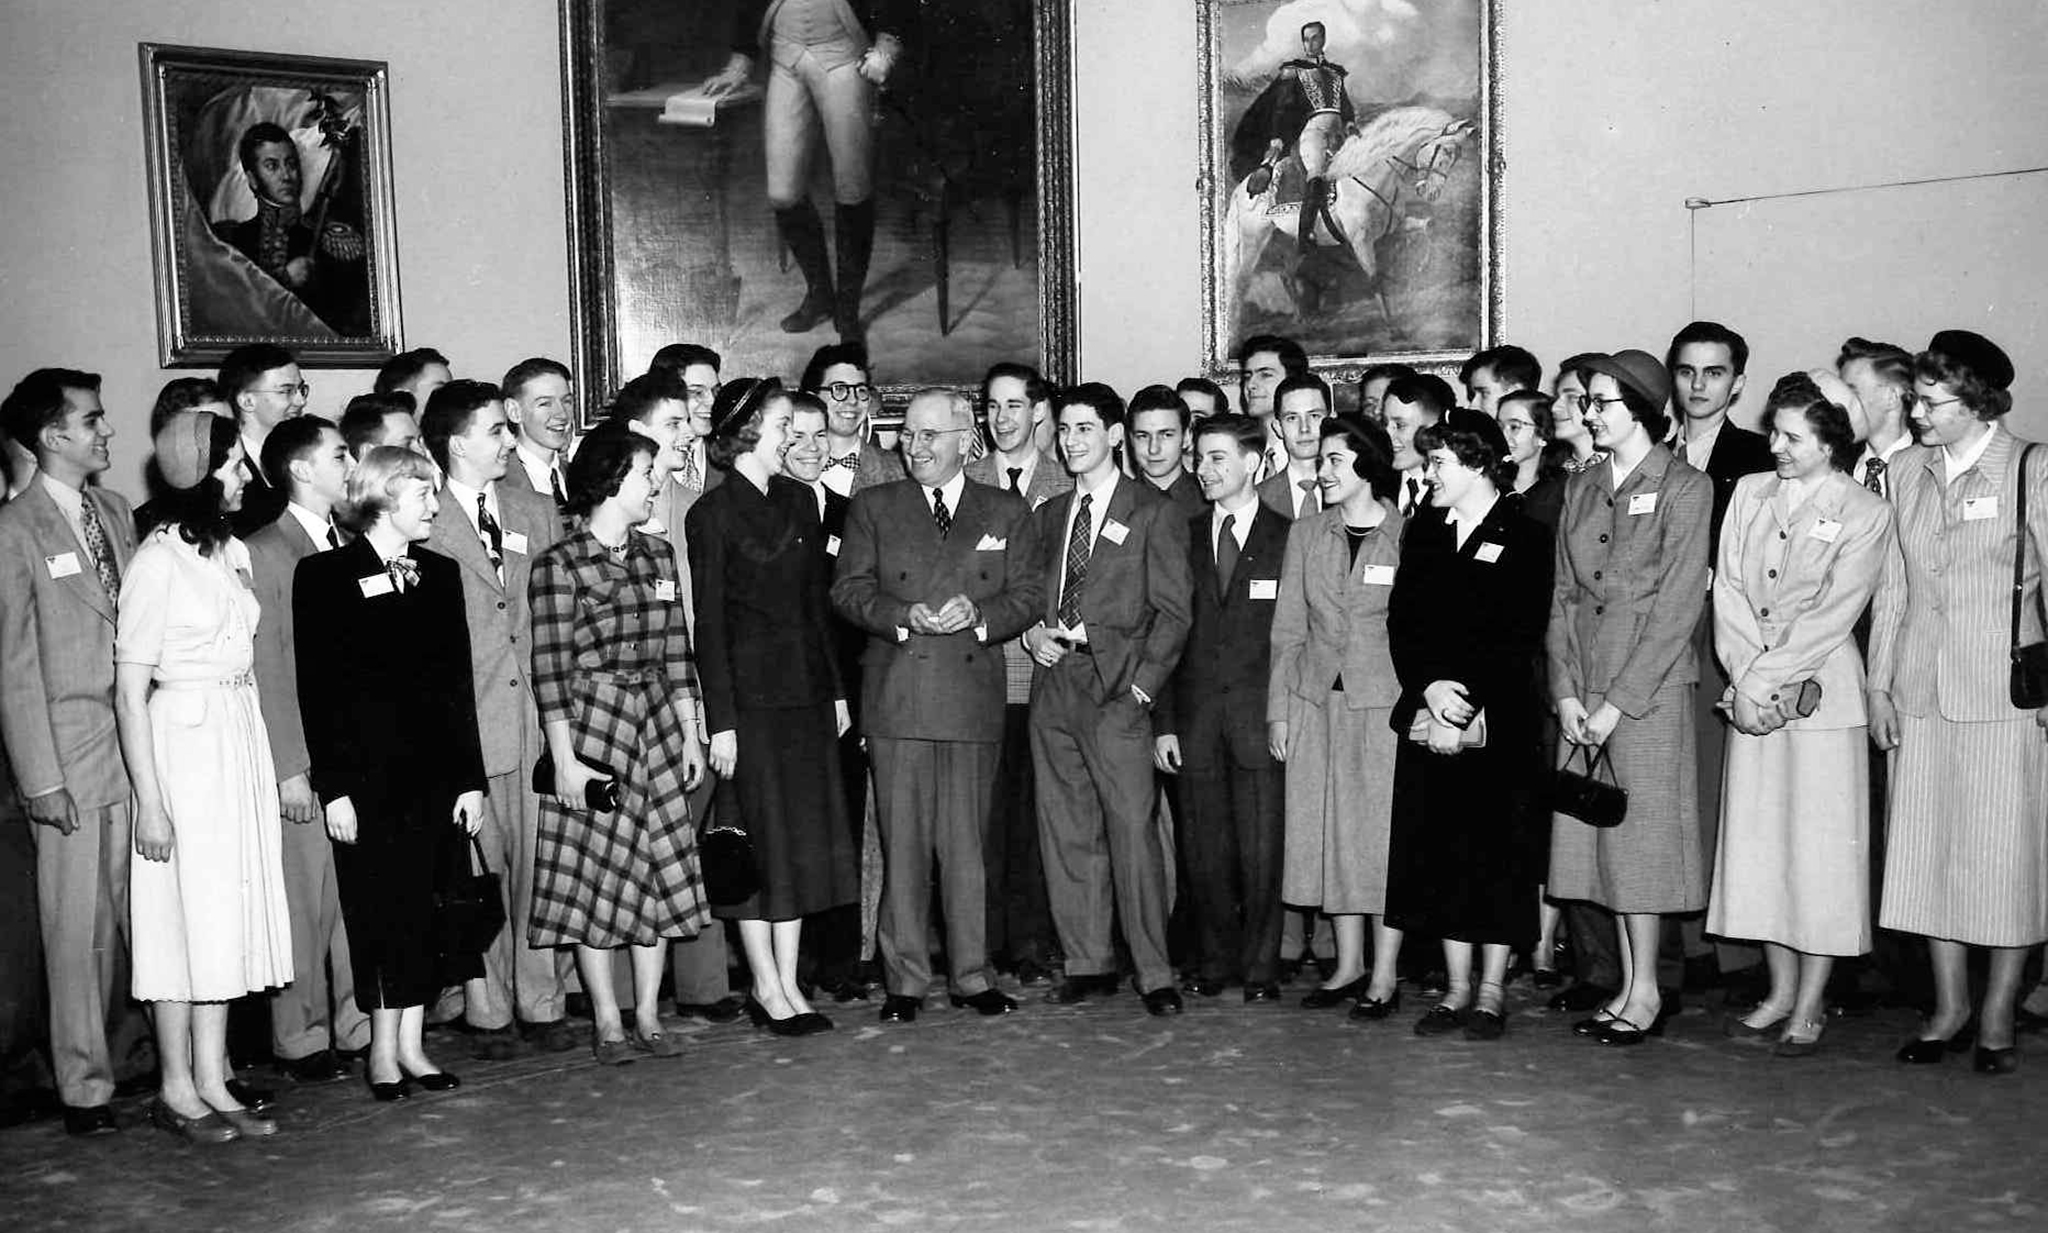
(494,532)
(1118,588)
(63,545)
(1411,404)
(1210,726)
(541,404)
(1301,404)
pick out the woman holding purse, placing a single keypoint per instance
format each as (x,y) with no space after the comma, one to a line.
(1631,579)
(1966,855)
(1801,551)
(1465,624)
(616,861)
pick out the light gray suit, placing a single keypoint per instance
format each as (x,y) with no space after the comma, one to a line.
(317,1010)
(57,715)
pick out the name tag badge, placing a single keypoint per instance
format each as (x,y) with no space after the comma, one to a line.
(375,585)
(1265,588)
(1642,503)
(1114,531)
(1977,508)
(832,545)
(515,542)
(665,590)
(63,565)
(1825,530)
(1379,575)
(1490,553)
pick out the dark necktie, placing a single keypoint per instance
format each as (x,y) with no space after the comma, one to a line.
(1311,501)
(940,514)
(493,536)
(1079,544)
(1873,475)
(96,548)
(404,573)
(1226,551)
(333,536)
(1016,475)
(1414,491)
(555,486)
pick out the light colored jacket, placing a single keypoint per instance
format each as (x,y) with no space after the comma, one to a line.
(1332,616)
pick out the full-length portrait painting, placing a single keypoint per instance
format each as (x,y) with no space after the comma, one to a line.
(269,182)
(1351,179)
(766,176)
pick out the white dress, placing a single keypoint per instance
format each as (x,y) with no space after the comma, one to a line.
(209,924)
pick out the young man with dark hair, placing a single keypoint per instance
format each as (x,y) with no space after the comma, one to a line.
(494,533)
(539,401)
(1496,372)
(1117,583)
(418,372)
(63,545)
(697,369)
(1263,362)
(315,1023)
(1412,403)
(1203,397)
(1881,375)
(1159,423)
(371,420)
(1372,389)
(262,384)
(838,374)
(1210,726)
(1301,405)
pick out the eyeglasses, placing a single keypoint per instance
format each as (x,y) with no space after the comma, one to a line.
(928,436)
(1929,404)
(703,393)
(1587,402)
(841,391)
(286,391)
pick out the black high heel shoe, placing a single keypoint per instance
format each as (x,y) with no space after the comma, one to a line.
(437,1081)
(1996,1061)
(795,1025)
(388,1092)
(1372,1008)
(1322,999)
(1622,1032)
(1922,1051)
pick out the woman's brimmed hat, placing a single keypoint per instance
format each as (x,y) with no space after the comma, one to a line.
(183,447)
(1638,370)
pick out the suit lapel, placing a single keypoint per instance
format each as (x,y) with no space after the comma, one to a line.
(459,540)
(55,536)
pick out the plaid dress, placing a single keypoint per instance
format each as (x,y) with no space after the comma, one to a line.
(611,654)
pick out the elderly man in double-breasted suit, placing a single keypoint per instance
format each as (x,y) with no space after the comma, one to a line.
(938,571)
(63,545)
(494,532)
(1117,612)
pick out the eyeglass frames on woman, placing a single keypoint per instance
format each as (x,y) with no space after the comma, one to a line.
(1587,402)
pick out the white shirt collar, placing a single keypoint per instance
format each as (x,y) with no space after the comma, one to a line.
(1699,449)
(952,488)
(541,471)
(1244,514)
(316,526)
(465,500)
(1458,527)
(70,501)
(1101,492)
(1956,466)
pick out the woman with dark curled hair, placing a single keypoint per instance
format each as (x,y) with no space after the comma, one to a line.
(1966,848)
(1802,547)
(1466,624)
(617,695)
(773,700)
(207,902)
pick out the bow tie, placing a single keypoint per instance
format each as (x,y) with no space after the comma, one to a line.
(850,461)
(404,571)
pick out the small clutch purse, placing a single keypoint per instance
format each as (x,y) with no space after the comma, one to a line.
(1585,795)
(1471,736)
(726,856)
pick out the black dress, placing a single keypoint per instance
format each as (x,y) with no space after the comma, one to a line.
(1458,862)
(766,667)
(390,720)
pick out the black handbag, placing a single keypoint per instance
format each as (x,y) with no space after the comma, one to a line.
(726,856)
(1586,796)
(2029,682)
(469,909)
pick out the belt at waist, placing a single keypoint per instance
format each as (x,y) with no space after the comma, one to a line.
(236,681)
(626,676)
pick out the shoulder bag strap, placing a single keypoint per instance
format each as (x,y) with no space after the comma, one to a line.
(2019,549)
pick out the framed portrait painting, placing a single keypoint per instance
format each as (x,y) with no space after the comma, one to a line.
(763,177)
(1351,178)
(270,205)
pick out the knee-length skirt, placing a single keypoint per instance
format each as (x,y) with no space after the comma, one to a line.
(787,795)
(1654,861)
(1793,863)
(1340,795)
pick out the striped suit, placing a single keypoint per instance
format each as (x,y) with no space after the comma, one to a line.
(1967,848)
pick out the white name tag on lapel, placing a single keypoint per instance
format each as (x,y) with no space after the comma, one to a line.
(1642,503)
(1490,553)
(1265,588)
(1977,508)
(63,565)
(991,543)
(832,545)
(665,590)
(1825,530)
(515,542)
(1114,531)
(1379,575)
(375,585)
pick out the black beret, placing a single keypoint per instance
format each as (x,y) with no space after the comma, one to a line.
(1977,353)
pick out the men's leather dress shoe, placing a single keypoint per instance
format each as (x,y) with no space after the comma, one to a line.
(556,1035)
(1202,987)
(1162,1002)
(1261,991)
(1996,1061)
(987,1002)
(495,1045)
(1439,1019)
(844,990)
(899,1009)
(1581,998)
(209,1129)
(1076,989)
(88,1120)
(1376,1008)
(1324,998)
(250,1097)
(323,1067)
(724,1010)
(1031,973)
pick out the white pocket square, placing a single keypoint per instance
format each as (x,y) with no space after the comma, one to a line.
(990,543)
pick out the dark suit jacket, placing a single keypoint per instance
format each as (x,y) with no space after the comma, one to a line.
(1186,494)
(1135,600)
(1457,616)
(262,502)
(274,556)
(384,692)
(762,597)
(1737,452)
(1048,479)
(1220,685)
(848,639)
(926,687)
